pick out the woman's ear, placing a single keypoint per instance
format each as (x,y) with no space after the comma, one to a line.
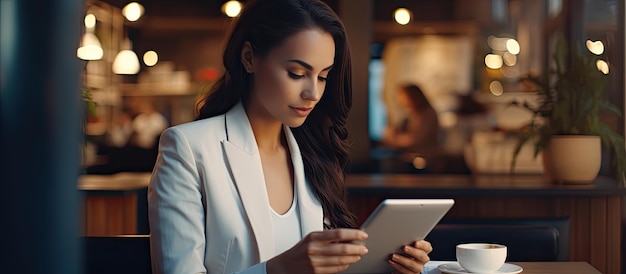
(247,55)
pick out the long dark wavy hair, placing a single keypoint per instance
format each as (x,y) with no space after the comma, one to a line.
(323,136)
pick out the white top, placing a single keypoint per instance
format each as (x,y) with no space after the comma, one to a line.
(286,227)
(225,205)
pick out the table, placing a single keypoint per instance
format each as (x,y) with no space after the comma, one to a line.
(594,210)
(534,267)
(558,267)
(113,204)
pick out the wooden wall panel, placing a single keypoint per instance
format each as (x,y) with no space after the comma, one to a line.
(580,230)
(130,214)
(114,215)
(614,236)
(597,228)
(106,215)
(595,221)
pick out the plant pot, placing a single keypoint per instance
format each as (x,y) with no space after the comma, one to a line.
(573,159)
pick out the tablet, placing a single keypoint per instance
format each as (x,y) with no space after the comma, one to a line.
(393,224)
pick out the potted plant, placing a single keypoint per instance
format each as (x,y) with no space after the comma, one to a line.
(566,126)
(89,111)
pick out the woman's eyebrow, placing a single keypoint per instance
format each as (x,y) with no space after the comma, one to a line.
(306,65)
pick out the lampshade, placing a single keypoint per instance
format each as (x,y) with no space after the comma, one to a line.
(126,61)
(90,48)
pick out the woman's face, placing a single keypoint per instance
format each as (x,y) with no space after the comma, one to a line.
(290,80)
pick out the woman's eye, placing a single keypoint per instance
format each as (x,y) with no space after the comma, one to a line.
(322,79)
(294,76)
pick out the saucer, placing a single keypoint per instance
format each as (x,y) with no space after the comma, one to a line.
(455,268)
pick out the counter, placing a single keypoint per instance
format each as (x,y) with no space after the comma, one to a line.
(114,204)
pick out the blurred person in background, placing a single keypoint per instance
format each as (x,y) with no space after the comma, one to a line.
(147,125)
(416,137)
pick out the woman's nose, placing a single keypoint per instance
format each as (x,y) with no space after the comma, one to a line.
(312,91)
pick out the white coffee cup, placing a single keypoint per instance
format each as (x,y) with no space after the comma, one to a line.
(481,257)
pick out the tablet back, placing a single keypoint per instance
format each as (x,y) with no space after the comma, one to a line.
(394,223)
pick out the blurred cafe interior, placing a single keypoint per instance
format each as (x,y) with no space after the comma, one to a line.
(445,73)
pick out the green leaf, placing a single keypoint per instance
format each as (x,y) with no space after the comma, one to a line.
(572,98)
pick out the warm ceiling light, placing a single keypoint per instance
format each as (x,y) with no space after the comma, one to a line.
(402,16)
(509,59)
(126,61)
(90,48)
(596,47)
(496,88)
(231,8)
(90,21)
(512,46)
(603,66)
(133,11)
(150,58)
(493,61)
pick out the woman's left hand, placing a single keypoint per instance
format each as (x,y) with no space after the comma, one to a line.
(413,259)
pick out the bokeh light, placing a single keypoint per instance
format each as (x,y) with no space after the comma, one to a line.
(493,61)
(512,46)
(596,47)
(231,8)
(496,88)
(402,16)
(133,11)
(90,21)
(150,58)
(603,66)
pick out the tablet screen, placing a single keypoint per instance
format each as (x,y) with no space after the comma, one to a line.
(393,224)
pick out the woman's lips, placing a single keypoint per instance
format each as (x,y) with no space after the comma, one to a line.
(302,111)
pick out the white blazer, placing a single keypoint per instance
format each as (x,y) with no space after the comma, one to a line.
(208,205)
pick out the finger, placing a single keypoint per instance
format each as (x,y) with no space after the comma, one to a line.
(330,269)
(416,253)
(337,249)
(339,235)
(405,265)
(401,269)
(347,249)
(335,260)
(424,245)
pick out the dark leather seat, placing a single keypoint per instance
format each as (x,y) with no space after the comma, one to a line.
(116,254)
(526,239)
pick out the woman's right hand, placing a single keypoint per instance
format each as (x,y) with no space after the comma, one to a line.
(328,251)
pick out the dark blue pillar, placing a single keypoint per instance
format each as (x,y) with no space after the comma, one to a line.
(39,135)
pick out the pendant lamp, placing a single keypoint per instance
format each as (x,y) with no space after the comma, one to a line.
(90,47)
(126,61)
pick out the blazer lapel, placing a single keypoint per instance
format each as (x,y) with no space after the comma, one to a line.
(244,162)
(311,214)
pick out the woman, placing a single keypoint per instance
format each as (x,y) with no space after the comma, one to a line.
(256,184)
(417,136)
(420,128)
